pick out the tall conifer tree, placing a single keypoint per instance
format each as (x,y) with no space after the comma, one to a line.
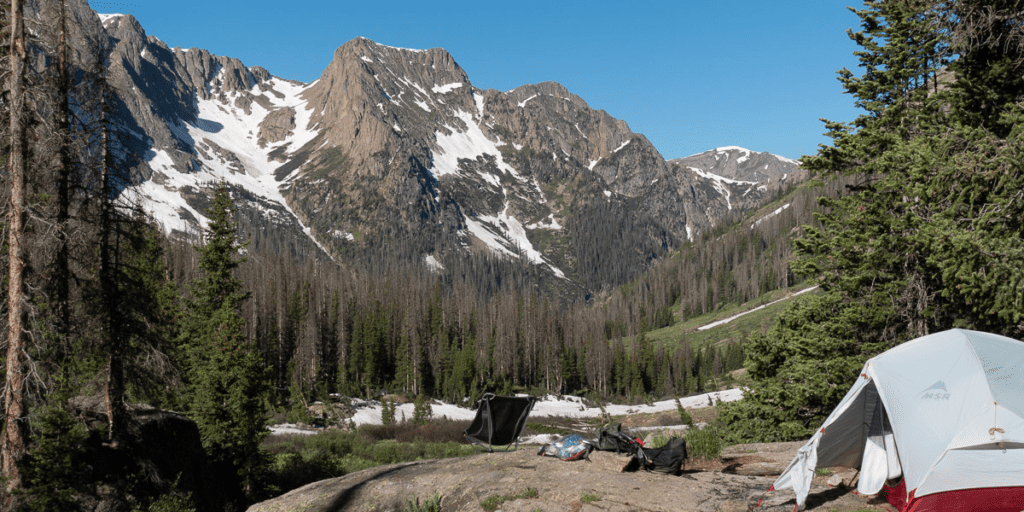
(229,385)
(928,239)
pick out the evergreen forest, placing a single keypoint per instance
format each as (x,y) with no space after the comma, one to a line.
(912,225)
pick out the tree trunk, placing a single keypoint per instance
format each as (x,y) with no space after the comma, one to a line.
(114,392)
(15,433)
(62,274)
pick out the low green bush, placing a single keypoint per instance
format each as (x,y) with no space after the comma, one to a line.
(172,502)
(431,505)
(659,439)
(299,460)
(704,442)
(492,502)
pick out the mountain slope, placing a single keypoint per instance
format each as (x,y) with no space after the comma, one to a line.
(393,151)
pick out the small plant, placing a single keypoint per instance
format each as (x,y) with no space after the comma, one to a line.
(172,502)
(491,503)
(684,417)
(589,497)
(387,412)
(431,505)
(823,471)
(705,442)
(658,440)
(422,412)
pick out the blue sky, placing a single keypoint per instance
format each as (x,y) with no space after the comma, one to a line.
(690,75)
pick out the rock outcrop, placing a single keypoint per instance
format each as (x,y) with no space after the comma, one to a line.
(162,452)
(463,483)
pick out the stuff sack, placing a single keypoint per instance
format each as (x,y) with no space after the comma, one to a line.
(611,438)
(667,459)
(571,447)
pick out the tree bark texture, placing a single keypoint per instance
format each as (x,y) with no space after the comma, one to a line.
(15,407)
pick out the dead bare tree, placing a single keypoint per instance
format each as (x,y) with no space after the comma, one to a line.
(15,406)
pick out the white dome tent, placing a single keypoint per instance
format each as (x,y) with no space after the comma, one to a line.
(942,414)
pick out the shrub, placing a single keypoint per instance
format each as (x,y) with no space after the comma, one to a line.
(171,502)
(437,431)
(431,505)
(684,416)
(387,413)
(659,440)
(298,460)
(705,442)
(422,412)
(55,469)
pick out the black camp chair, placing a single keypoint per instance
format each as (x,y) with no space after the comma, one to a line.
(499,420)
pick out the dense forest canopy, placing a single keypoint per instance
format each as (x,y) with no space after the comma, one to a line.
(930,237)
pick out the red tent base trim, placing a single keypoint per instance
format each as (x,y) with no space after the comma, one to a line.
(986,499)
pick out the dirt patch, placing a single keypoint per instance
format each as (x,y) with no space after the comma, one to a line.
(464,482)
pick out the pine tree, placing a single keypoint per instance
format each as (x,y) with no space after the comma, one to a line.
(930,237)
(229,385)
(387,412)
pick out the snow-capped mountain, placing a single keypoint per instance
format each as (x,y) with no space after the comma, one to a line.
(396,147)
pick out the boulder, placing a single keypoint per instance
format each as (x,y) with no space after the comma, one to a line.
(611,461)
(161,452)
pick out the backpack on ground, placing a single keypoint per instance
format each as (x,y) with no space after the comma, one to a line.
(667,459)
(611,438)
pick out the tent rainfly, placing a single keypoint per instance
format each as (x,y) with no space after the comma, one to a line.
(937,421)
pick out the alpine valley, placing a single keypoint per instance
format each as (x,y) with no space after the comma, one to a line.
(393,157)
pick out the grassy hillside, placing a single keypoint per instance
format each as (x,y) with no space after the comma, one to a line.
(734,330)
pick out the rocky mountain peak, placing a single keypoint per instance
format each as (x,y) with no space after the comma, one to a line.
(741,164)
(395,147)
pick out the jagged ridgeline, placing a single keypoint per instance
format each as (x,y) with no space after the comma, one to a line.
(393,158)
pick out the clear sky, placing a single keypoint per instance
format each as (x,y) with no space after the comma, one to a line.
(691,75)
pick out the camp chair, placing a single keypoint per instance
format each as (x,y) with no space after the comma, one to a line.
(499,420)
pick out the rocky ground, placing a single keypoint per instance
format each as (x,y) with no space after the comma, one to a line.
(736,482)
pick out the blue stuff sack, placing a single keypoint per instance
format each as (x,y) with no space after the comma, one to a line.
(571,447)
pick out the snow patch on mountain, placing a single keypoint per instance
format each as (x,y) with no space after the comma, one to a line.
(104,18)
(719,182)
(624,144)
(770,215)
(164,202)
(549,222)
(432,263)
(511,241)
(522,104)
(787,160)
(226,149)
(469,144)
(740,160)
(447,88)
(478,100)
